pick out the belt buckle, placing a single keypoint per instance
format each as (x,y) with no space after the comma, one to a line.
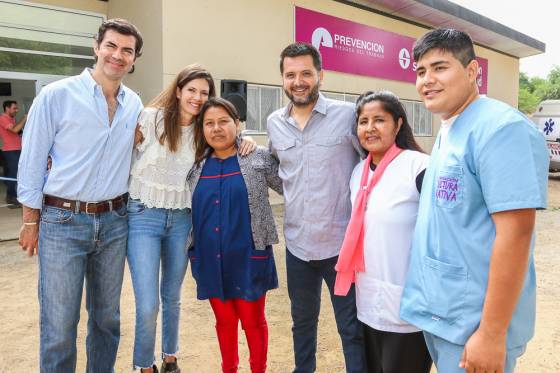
(87,207)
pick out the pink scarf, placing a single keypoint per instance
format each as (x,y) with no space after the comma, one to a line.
(351,257)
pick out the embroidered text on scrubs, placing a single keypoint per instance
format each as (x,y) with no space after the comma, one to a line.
(447,188)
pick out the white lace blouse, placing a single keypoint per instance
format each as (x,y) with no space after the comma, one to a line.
(158,176)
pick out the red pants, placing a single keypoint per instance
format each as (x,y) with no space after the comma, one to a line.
(253,322)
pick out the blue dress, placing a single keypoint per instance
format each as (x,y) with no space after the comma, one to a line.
(224,260)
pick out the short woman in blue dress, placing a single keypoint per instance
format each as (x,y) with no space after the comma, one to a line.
(233,232)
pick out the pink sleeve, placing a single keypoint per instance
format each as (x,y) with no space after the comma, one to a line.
(5,124)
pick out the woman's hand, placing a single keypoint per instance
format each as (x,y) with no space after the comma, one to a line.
(138,137)
(247,146)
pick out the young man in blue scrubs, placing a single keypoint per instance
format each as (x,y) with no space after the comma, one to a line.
(471,283)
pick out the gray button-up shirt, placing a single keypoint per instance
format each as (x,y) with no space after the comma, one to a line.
(315,166)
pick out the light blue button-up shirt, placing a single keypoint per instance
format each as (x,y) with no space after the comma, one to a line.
(91,157)
(493,160)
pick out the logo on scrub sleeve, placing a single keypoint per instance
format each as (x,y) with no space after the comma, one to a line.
(321,38)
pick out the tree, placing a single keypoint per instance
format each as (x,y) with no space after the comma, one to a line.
(524,81)
(552,89)
(527,101)
(534,90)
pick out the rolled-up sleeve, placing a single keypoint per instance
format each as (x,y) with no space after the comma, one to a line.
(273,180)
(38,139)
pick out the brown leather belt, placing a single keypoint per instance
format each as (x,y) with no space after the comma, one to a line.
(87,207)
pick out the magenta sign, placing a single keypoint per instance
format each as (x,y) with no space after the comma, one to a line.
(354,48)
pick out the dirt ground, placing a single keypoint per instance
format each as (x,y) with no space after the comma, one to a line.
(19,321)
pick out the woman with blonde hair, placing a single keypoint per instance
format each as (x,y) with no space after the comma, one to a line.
(159,212)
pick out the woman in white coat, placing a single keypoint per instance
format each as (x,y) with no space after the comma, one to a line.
(385,189)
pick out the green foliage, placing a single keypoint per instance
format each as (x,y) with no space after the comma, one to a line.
(528,101)
(534,90)
(35,63)
(524,81)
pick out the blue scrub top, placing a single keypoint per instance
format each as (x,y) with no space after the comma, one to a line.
(493,160)
(224,261)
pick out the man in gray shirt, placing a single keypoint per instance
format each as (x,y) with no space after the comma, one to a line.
(314,139)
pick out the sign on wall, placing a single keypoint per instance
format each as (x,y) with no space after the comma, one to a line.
(354,48)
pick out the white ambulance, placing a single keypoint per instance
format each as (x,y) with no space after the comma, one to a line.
(547,119)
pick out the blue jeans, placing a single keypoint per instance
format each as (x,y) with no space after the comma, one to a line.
(304,288)
(10,170)
(74,246)
(156,236)
(447,355)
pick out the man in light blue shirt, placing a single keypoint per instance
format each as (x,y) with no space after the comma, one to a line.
(74,215)
(471,282)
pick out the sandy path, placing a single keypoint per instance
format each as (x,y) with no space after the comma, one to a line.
(19,315)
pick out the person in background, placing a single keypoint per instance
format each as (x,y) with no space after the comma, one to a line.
(74,215)
(385,189)
(11,147)
(471,281)
(159,212)
(315,141)
(232,259)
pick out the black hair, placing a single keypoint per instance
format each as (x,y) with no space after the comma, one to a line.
(456,42)
(392,105)
(8,103)
(301,49)
(122,26)
(201,146)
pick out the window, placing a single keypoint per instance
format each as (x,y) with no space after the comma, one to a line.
(45,39)
(261,102)
(419,118)
(351,98)
(43,64)
(348,97)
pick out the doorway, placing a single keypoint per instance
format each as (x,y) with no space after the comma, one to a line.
(22,88)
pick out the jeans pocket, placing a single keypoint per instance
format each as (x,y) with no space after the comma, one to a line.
(55,215)
(135,206)
(121,212)
(446,288)
(449,187)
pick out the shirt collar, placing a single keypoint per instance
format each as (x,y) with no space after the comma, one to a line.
(320,106)
(446,123)
(92,85)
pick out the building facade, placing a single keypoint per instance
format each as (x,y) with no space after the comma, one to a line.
(45,40)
